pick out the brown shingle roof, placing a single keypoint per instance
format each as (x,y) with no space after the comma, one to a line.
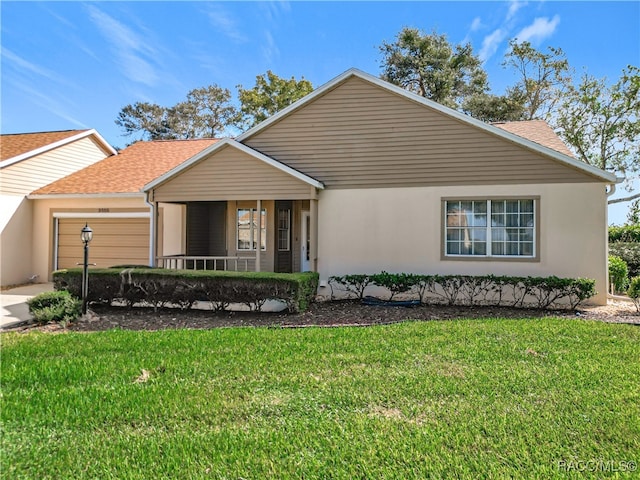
(130,170)
(14,144)
(537,131)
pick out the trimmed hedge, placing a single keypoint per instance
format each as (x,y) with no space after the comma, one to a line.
(160,288)
(539,292)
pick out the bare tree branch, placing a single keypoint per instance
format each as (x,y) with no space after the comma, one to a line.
(623,199)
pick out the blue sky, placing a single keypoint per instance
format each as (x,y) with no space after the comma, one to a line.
(68,65)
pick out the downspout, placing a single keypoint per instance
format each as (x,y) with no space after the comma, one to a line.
(611,190)
(153,211)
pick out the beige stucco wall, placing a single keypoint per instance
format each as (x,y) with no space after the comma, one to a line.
(173,233)
(15,241)
(400,230)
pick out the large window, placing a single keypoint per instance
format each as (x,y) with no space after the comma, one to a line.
(248,229)
(490,228)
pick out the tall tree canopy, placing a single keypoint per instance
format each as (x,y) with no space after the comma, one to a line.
(206,112)
(270,95)
(542,78)
(427,64)
(601,123)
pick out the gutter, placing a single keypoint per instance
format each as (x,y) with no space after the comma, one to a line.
(152,228)
(43,196)
(612,186)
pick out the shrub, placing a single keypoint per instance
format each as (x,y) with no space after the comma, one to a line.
(634,292)
(394,282)
(625,233)
(352,284)
(630,253)
(55,307)
(618,274)
(540,292)
(158,287)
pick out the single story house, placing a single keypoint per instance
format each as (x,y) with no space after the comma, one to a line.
(357,177)
(29,161)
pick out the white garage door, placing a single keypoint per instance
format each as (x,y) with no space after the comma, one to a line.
(116,241)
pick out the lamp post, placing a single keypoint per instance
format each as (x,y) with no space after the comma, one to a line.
(86,235)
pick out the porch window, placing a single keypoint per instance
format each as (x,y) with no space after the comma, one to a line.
(490,228)
(284,229)
(247,233)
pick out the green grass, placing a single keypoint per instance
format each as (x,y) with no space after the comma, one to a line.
(464,399)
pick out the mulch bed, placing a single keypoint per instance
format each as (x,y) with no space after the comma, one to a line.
(322,314)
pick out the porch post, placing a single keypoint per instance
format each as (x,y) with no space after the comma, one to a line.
(259,242)
(313,234)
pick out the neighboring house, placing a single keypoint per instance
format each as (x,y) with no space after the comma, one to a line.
(108,196)
(29,161)
(357,177)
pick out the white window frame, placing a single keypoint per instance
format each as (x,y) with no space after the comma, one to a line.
(252,228)
(489,255)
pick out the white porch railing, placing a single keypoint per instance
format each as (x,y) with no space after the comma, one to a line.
(188,262)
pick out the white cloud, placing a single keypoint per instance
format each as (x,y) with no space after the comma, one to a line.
(271,11)
(269,48)
(476,24)
(24,66)
(222,21)
(54,103)
(490,43)
(514,6)
(540,29)
(133,52)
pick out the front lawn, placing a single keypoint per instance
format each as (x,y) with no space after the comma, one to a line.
(468,399)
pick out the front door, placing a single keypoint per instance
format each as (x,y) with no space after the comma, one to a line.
(305,244)
(283,259)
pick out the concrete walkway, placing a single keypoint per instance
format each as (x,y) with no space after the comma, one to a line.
(13,302)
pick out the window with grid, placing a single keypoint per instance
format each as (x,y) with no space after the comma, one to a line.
(247,229)
(490,228)
(284,229)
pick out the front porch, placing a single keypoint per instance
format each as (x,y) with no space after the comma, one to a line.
(239,209)
(224,235)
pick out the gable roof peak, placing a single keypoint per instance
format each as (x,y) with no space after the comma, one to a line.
(564,157)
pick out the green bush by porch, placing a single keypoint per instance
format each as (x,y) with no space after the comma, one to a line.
(159,287)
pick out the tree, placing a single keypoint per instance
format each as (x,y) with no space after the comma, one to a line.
(427,64)
(494,108)
(601,123)
(542,78)
(148,119)
(270,95)
(206,112)
(633,215)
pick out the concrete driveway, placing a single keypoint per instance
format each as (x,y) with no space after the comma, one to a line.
(13,302)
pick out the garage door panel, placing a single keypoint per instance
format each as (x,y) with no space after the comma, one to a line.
(110,229)
(115,241)
(73,241)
